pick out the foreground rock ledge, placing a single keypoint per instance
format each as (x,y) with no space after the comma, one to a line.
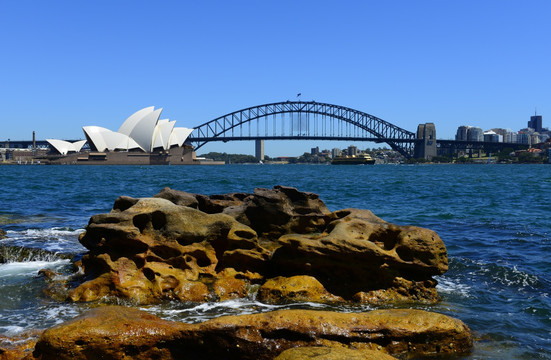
(113,332)
(192,247)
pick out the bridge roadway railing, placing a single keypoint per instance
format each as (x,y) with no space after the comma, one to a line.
(298,120)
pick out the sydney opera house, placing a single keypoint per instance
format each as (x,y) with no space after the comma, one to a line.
(143,139)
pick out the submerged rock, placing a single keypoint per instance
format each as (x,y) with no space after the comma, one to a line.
(24,254)
(191,247)
(118,333)
(18,347)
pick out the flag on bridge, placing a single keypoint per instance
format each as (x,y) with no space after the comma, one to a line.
(298,95)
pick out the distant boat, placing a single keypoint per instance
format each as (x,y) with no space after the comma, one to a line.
(362,159)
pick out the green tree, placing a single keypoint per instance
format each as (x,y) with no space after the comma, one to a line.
(528,157)
(441,159)
(230,158)
(505,154)
(464,160)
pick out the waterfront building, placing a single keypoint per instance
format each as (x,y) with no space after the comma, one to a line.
(142,131)
(66,147)
(537,138)
(524,138)
(491,136)
(352,150)
(142,139)
(462,132)
(336,152)
(326,153)
(475,134)
(510,136)
(500,131)
(535,123)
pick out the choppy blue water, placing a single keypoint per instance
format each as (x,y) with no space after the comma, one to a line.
(494,219)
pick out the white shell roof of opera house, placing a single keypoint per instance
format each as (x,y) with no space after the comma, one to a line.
(143,130)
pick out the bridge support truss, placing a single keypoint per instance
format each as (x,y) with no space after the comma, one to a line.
(298,120)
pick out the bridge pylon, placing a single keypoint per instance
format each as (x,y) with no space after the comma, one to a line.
(259,149)
(426,147)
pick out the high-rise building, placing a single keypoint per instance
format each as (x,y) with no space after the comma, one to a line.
(461,134)
(475,134)
(524,138)
(536,123)
(352,150)
(510,136)
(491,136)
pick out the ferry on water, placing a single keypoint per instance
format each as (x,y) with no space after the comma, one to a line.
(362,159)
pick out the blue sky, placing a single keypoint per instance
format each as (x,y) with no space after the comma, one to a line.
(68,64)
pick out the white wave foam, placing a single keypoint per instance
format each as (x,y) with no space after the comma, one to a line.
(12,330)
(48,233)
(205,311)
(39,317)
(449,286)
(52,239)
(60,313)
(30,268)
(230,304)
(521,278)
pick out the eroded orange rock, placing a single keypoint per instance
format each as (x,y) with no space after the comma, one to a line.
(295,289)
(153,249)
(123,333)
(332,353)
(20,346)
(359,252)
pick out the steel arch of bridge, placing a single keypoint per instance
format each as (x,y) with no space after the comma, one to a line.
(330,122)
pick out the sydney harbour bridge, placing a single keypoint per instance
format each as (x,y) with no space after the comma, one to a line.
(310,120)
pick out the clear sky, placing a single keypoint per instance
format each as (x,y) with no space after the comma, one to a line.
(69,64)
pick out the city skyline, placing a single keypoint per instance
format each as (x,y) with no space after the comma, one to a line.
(71,65)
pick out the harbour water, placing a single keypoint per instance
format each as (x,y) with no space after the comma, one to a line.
(494,219)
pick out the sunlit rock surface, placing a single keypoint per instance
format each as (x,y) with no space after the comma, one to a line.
(191,247)
(112,332)
(332,353)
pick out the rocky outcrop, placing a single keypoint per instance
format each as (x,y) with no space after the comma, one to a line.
(3,234)
(191,247)
(122,333)
(278,245)
(270,213)
(359,252)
